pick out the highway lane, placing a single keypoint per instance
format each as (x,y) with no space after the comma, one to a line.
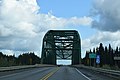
(31,74)
(71,73)
(68,73)
(53,73)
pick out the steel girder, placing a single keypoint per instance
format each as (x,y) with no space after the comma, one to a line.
(61,44)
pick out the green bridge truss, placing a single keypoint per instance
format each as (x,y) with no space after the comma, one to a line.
(61,44)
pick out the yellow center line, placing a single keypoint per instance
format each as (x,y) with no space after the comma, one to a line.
(50,74)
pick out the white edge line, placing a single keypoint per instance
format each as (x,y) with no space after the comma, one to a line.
(83,74)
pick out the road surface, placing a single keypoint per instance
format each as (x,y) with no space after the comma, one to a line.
(53,73)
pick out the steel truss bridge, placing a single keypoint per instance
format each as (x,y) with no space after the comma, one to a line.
(61,44)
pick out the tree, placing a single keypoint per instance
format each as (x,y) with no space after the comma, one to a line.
(24,59)
(111,56)
(28,58)
(106,58)
(101,52)
(116,51)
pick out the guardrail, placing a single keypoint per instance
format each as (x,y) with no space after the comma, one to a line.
(111,73)
(22,67)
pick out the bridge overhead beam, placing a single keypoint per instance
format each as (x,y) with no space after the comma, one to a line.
(61,44)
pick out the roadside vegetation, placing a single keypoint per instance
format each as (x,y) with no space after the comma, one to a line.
(107,57)
(24,59)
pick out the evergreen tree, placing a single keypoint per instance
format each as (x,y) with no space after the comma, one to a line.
(94,50)
(106,56)
(116,51)
(111,56)
(101,52)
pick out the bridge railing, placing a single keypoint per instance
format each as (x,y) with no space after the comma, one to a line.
(111,73)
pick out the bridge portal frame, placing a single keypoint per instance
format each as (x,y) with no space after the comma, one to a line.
(61,44)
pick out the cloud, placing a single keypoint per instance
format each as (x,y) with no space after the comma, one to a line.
(22,27)
(101,37)
(105,36)
(108,15)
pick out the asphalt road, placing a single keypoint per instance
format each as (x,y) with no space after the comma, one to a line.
(53,73)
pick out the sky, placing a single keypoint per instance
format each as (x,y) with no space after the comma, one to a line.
(23,23)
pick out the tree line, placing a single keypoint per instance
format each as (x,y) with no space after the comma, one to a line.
(23,59)
(106,54)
